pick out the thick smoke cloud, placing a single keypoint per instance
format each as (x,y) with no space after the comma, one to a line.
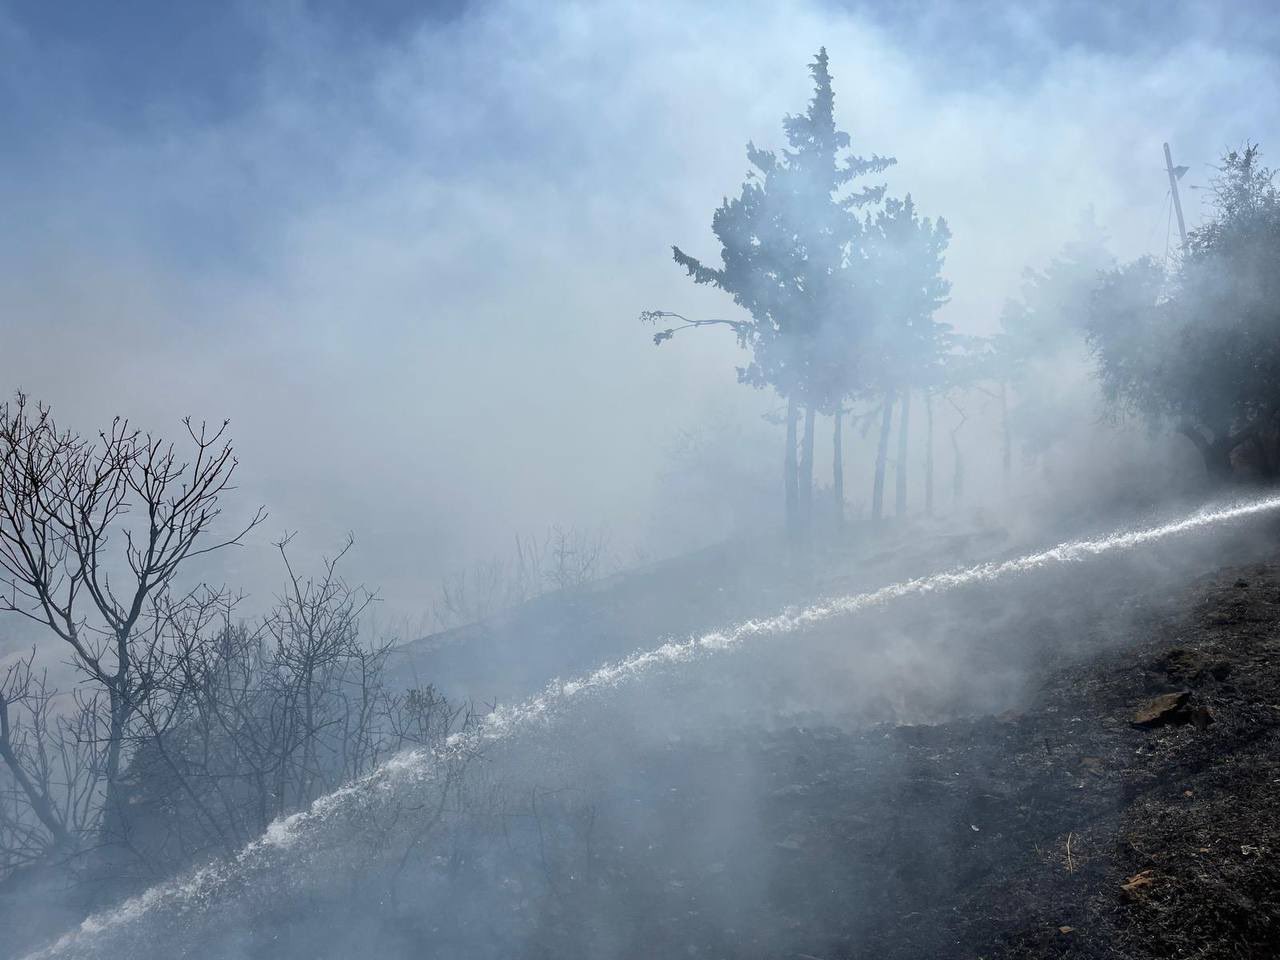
(405,257)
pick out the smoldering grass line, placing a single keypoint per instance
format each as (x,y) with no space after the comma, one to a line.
(505,721)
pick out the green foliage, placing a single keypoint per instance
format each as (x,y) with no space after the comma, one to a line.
(840,299)
(1051,314)
(1200,349)
(1042,332)
(907,344)
(789,254)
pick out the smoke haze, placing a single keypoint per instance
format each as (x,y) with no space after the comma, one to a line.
(403,248)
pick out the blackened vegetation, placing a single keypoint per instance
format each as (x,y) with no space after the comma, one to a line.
(642,827)
(187,727)
(1066,831)
(1057,829)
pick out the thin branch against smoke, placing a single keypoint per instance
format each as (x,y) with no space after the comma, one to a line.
(563,559)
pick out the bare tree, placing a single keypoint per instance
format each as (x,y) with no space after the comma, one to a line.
(255,721)
(53,761)
(92,537)
(24,748)
(575,557)
(565,558)
(315,632)
(189,730)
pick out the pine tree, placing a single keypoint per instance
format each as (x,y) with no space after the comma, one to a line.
(908,341)
(791,257)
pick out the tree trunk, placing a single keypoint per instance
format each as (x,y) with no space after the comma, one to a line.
(806,473)
(789,473)
(112,801)
(1006,438)
(928,454)
(1217,460)
(1216,452)
(1269,445)
(900,472)
(882,454)
(837,466)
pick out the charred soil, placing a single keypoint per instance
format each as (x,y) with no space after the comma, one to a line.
(1129,808)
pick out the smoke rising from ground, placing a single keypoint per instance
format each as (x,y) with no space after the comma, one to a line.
(405,249)
(356,812)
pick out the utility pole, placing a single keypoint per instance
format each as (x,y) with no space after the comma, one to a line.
(1174,174)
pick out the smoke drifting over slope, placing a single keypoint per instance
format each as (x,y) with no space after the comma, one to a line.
(406,249)
(557,742)
(403,252)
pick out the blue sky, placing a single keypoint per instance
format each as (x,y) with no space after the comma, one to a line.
(405,245)
(138,58)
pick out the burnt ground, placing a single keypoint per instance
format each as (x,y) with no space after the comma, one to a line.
(568,632)
(1074,833)
(1061,830)
(1011,809)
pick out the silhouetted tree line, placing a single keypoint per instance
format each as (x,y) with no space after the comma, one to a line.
(1197,349)
(187,729)
(839,288)
(839,285)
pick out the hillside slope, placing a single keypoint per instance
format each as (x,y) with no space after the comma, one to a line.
(1114,796)
(985,771)
(1062,829)
(1069,831)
